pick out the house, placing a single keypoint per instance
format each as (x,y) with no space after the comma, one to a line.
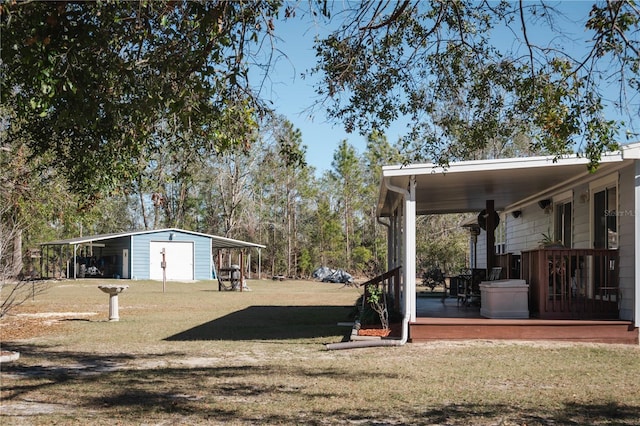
(587,288)
(186,255)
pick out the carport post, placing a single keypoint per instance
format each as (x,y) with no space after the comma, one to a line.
(163,265)
(241,270)
(636,218)
(75,261)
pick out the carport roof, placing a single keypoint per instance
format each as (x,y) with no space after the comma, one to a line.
(216,241)
(466,186)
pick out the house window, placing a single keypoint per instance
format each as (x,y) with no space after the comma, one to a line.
(605,218)
(563,223)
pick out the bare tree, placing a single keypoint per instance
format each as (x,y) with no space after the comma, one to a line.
(13,291)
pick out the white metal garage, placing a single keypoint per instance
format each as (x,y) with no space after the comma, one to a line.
(137,254)
(178,257)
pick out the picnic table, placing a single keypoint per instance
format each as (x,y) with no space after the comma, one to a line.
(229,279)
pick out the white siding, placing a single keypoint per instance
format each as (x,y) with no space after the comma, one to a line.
(525,232)
(141,256)
(481,250)
(582,218)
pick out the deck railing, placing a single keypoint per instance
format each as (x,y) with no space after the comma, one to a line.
(390,282)
(510,264)
(572,283)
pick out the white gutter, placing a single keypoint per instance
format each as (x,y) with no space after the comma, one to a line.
(405,319)
(631,151)
(406,314)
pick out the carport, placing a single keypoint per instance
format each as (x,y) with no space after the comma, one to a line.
(186,255)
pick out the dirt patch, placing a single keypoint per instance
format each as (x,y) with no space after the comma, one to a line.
(23,326)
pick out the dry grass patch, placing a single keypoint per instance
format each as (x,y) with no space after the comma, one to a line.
(193,355)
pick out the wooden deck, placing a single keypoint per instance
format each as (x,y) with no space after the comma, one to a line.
(448,321)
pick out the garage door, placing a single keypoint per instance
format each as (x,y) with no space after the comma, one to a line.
(179,258)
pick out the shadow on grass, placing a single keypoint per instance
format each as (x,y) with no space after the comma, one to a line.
(194,408)
(569,414)
(271,323)
(242,394)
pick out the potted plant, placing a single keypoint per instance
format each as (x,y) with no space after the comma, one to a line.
(548,242)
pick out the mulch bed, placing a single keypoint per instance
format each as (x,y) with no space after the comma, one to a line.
(395,330)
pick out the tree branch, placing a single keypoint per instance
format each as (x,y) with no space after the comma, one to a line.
(392,18)
(526,39)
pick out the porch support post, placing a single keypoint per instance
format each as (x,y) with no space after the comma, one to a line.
(410,248)
(390,243)
(491,236)
(397,237)
(636,218)
(393,241)
(405,240)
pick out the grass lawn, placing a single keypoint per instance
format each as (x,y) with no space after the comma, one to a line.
(193,355)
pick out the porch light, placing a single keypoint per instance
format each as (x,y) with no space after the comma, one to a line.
(544,204)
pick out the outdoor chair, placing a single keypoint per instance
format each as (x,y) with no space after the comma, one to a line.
(464,287)
(495,273)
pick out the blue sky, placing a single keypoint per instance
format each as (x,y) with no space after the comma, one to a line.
(292,95)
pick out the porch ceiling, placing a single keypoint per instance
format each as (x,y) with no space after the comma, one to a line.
(466,186)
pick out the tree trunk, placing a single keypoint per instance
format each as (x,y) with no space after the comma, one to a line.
(16,264)
(143,210)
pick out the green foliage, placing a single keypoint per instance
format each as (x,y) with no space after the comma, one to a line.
(97,80)
(305,265)
(441,242)
(433,278)
(549,241)
(347,177)
(361,257)
(377,300)
(440,66)
(121,114)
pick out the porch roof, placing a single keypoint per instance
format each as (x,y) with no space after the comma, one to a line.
(466,186)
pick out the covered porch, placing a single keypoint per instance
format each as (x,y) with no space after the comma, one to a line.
(573,293)
(438,320)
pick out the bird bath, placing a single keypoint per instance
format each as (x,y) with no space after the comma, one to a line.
(113,291)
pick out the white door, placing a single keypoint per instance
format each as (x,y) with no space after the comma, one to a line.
(178,256)
(125,264)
